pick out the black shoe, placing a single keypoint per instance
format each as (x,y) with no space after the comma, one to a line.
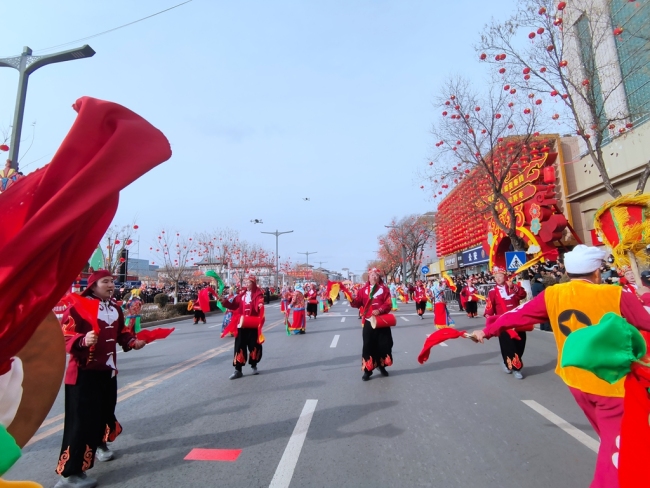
(366,375)
(383,371)
(235,375)
(302,332)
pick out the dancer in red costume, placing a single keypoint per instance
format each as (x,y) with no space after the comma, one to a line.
(52,220)
(247,320)
(311,297)
(373,299)
(468,298)
(92,327)
(420,297)
(501,299)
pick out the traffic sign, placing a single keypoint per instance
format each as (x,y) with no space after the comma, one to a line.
(515,260)
(425,270)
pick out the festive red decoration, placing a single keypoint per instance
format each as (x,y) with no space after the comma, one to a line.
(557,21)
(117,242)
(150,335)
(541,11)
(561,6)
(497,116)
(618,31)
(542,69)
(585,82)
(563,63)
(513,91)
(629,125)
(526,111)
(122,260)
(526,77)
(4,147)
(540,31)
(129,242)
(136,226)
(550,48)
(478,109)
(554,93)
(555,116)
(538,101)
(531,35)
(502,70)
(444,114)
(483,56)
(437,337)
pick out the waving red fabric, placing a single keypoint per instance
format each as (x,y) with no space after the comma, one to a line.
(436,338)
(52,220)
(150,335)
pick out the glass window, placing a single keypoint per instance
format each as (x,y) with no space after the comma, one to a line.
(633,47)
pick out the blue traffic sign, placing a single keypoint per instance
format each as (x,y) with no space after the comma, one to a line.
(515,260)
(425,270)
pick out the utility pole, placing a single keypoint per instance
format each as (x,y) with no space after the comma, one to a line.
(26,64)
(277,256)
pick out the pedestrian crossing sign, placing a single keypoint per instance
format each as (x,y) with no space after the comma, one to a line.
(515,260)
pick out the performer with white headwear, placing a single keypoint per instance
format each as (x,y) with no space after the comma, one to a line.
(569,307)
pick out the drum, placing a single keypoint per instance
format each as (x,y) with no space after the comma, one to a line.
(381,321)
(313,302)
(249,322)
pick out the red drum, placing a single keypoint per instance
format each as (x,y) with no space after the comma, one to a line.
(381,321)
(313,302)
(249,322)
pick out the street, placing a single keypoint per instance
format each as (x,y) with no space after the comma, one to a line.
(457,421)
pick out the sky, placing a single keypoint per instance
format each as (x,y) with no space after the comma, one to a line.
(264,103)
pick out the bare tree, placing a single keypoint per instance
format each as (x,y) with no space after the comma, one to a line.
(485,138)
(115,241)
(174,251)
(592,92)
(410,233)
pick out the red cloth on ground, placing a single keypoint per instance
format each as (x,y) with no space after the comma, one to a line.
(436,338)
(52,220)
(150,335)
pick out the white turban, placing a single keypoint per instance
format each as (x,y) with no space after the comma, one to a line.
(583,259)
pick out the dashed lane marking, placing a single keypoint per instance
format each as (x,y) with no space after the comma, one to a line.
(343,319)
(404,319)
(284,471)
(335,341)
(574,432)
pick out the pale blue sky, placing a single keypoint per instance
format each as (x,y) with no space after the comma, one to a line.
(264,102)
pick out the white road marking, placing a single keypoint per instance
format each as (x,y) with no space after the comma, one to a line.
(404,319)
(335,341)
(346,310)
(213,326)
(343,319)
(574,432)
(284,471)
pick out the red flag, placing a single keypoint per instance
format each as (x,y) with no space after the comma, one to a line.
(53,218)
(436,338)
(150,335)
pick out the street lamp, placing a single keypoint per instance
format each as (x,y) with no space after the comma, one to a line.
(277,257)
(403,254)
(26,64)
(308,253)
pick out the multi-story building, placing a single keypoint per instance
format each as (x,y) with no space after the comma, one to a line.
(613,36)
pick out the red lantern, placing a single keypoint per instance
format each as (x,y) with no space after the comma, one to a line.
(563,63)
(117,242)
(4,147)
(531,35)
(542,69)
(136,226)
(129,242)
(549,175)
(502,70)
(561,6)
(540,31)
(483,56)
(618,31)
(122,260)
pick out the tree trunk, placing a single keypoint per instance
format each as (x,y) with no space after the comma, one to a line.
(175,292)
(517,242)
(643,179)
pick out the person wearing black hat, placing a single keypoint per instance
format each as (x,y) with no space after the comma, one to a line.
(92,326)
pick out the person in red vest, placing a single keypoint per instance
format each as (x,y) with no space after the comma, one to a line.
(92,328)
(468,298)
(501,299)
(311,298)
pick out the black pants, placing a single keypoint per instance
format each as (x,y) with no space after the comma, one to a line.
(512,350)
(471,307)
(89,420)
(420,307)
(312,309)
(460,302)
(377,347)
(245,342)
(199,315)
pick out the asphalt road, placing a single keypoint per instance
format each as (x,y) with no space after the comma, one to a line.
(307,420)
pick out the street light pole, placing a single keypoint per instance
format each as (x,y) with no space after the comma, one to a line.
(308,253)
(26,64)
(277,257)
